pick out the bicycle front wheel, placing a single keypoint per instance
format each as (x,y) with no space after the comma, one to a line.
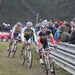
(8,53)
(29,58)
(52,68)
(45,70)
(13,50)
(22,59)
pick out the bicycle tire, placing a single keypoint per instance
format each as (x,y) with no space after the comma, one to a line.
(22,59)
(46,66)
(45,70)
(8,53)
(13,50)
(52,66)
(29,58)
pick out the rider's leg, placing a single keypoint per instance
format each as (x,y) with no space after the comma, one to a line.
(40,51)
(10,43)
(45,45)
(23,45)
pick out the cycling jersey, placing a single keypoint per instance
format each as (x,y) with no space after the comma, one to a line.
(42,38)
(28,34)
(16,31)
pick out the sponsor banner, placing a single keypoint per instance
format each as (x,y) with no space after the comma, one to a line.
(5,36)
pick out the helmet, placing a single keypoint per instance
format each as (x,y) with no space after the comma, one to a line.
(43,26)
(29,23)
(19,24)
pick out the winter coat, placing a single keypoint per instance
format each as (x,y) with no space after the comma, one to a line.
(72,38)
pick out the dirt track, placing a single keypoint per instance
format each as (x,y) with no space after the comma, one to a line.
(12,66)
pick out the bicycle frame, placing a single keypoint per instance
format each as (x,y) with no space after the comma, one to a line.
(48,63)
(27,55)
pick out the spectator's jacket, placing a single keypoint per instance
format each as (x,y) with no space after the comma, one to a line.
(72,38)
(56,35)
(65,36)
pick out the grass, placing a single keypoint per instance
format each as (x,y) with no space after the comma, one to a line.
(12,66)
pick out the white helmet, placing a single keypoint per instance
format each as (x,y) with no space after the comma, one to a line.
(19,23)
(29,23)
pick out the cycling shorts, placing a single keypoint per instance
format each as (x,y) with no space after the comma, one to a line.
(45,45)
(15,35)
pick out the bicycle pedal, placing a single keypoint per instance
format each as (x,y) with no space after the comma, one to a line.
(51,70)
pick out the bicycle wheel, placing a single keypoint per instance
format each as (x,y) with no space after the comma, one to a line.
(29,58)
(52,68)
(22,59)
(8,53)
(13,50)
(45,70)
(46,66)
(23,56)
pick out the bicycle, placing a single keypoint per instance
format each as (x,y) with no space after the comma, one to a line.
(48,64)
(13,48)
(27,56)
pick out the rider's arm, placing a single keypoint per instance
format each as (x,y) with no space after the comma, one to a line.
(13,30)
(34,34)
(38,38)
(52,39)
(39,45)
(22,34)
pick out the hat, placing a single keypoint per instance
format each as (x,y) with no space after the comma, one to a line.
(60,23)
(62,28)
(57,25)
(68,25)
(37,25)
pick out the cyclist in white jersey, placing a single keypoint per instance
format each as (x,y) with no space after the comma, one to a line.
(28,34)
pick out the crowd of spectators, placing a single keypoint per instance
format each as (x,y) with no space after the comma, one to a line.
(63,31)
(5,27)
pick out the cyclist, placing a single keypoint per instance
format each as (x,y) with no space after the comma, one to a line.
(37,28)
(28,33)
(15,33)
(42,39)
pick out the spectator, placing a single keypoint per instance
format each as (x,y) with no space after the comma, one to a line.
(56,34)
(3,26)
(51,26)
(72,26)
(68,28)
(45,22)
(64,22)
(60,23)
(37,28)
(64,35)
(9,27)
(72,37)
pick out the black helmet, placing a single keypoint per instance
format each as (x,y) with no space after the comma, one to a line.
(43,26)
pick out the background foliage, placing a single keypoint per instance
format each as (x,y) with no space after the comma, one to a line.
(13,10)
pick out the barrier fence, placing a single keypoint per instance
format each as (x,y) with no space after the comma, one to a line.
(64,56)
